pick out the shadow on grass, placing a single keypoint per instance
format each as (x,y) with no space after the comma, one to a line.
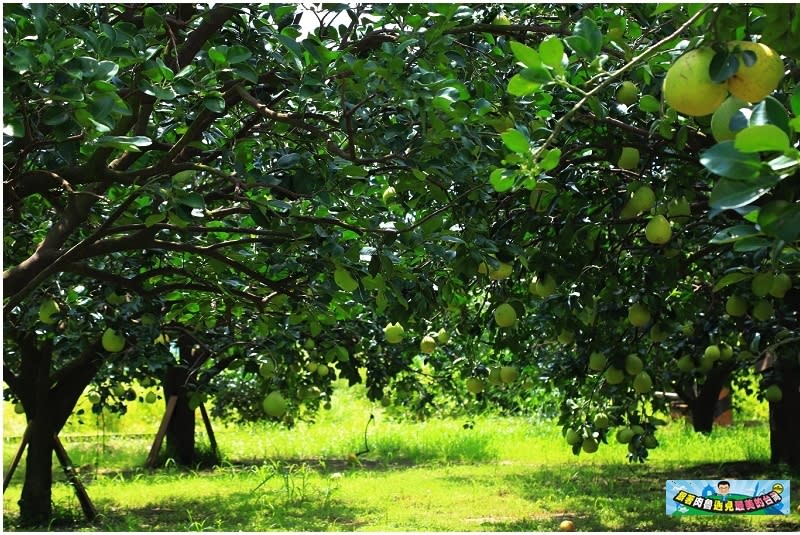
(240,511)
(623,497)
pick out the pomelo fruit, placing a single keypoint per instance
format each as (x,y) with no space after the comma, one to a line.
(755,82)
(627,93)
(736,306)
(638,315)
(274,404)
(688,87)
(112,342)
(505,315)
(658,230)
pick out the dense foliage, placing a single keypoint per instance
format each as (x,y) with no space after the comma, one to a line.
(255,199)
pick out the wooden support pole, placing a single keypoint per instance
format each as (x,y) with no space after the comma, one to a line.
(16,460)
(207,421)
(83,497)
(162,431)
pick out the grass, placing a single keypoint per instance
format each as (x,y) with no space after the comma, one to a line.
(503,474)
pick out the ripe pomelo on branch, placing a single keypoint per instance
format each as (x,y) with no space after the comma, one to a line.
(47,310)
(274,404)
(642,200)
(475,385)
(427,345)
(688,87)
(627,93)
(658,230)
(638,315)
(394,333)
(112,342)
(505,315)
(753,83)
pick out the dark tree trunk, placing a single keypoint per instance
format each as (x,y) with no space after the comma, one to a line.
(784,437)
(48,402)
(703,402)
(180,431)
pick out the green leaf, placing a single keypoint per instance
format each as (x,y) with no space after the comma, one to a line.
(780,219)
(193,200)
(729,193)
(238,54)
(723,66)
(761,138)
(730,278)
(590,40)
(536,74)
(152,20)
(153,219)
(525,55)
(502,180)
(218,54)
(770,111)
(732,234)
(551,51)
(662,8)
(550,160)
(515,141)
(131,143)
(520,87)
(215,104)
(749,245)
(724,160)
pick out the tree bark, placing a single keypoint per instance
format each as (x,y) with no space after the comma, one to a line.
(704,404)
(784,437)
(48,402)
(180,431)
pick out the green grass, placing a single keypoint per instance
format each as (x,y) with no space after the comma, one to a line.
(503,474)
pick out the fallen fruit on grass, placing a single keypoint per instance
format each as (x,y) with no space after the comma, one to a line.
(566,525)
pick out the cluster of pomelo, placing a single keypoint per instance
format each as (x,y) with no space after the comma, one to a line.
(690,90)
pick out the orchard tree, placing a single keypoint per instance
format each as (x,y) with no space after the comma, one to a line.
(276,196)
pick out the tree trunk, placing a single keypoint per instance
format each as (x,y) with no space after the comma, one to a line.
(48,401)
(784,437)
(35,503)
(704,405)
(180,431)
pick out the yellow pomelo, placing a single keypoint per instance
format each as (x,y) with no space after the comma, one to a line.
(638,315)
(508,374)
(763,310)
(503,271)
(736,306)
(628,158)
(394,332)
(688,87)
(112,342)
(658,230)
(428,344)
(627,93)
(475,385)
(505,315)
(47,309)
(754,83)
(274,405)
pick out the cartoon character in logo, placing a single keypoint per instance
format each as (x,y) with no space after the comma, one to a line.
(723,492)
